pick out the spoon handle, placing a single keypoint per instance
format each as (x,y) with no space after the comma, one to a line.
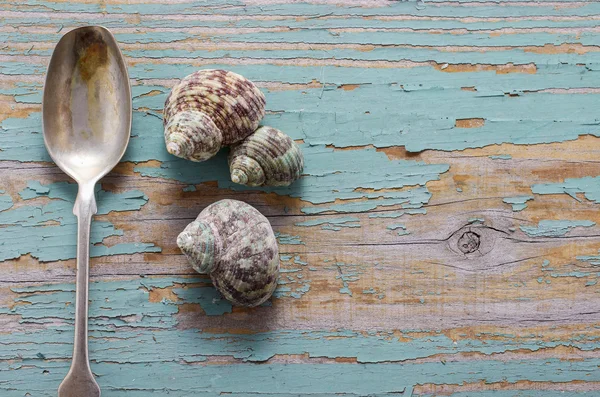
(80,381)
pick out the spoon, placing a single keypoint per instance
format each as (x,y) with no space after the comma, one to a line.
(86,121)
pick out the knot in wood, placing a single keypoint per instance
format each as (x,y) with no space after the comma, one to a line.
(469,242)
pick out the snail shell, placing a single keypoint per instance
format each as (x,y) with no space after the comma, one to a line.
(235,244)
(209,109)
(266,158)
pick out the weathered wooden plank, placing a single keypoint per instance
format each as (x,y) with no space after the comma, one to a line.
(443,240)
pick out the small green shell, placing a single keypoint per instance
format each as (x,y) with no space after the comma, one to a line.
(235,244)
(209,109)
(266,158)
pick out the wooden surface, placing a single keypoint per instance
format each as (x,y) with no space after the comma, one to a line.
(443,240)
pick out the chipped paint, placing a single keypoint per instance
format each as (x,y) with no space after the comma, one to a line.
(588,186)
(132,297)
(324,169)
(286,239)
(401,226)
(333,223)
(347,273)
(151,329)
(5,201)
(329,175)
(395,226)
(593,260)
(295,285)
(554,228)
(521,392)
(476,220)
(517,202)
(398,214)
(26,230)
(129,200)
(501,157)
(363,124)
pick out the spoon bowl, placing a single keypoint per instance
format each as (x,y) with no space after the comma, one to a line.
(87,104)
(86,115)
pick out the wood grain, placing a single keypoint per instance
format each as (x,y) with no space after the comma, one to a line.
(443,241)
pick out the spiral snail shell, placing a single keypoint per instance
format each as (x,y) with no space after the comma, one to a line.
(268,157)
(235,244)
(209,109)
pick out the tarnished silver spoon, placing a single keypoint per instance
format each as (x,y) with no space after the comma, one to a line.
(87,121)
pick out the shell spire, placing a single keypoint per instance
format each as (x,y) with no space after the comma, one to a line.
(201,243)
(235,244)
(209,109)
(268,157)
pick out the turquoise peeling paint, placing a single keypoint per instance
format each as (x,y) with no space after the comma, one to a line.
(17,68)
(501,157)
(347,273)
(299,379)
(294,288)
(517,202)
(322,183)
(299,262)
(233,7)
(593,260)
(476,220)
(287,239)
(554,228)
(348,221)
(395,226)
(325,36)
(363,117)
(122,317)
(5,201)
(295,285)
(334,111)
(208,298)
(42,229)
(501,56)
(413,79)
(24,92)
(402,227)
(329,175)
(573,274)
(398,214)
(520,393)
(333,114)
(330,22)
(113,302)
(589,186)
(21,139)
(130,200)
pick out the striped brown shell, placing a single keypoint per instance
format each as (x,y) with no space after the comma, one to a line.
(209,109)
(268,157)
(235,244)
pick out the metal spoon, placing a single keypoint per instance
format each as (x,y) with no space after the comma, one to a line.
(87,121)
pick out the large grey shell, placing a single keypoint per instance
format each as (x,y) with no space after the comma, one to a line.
(209,109)
(268,157)
(235,244)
